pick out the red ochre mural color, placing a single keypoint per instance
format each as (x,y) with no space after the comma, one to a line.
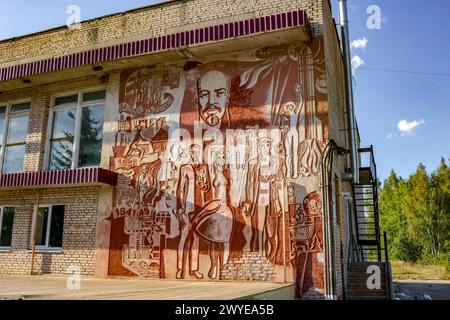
(219,169)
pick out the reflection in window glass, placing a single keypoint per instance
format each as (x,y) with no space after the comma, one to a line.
(62,139)
(6,226)
(91,136)
(17,130)
(2,128)
(64,123)
(61,155)
(41,229)
(13,159)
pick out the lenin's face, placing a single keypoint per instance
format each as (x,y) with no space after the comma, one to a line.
(213,96)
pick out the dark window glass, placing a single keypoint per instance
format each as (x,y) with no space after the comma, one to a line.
(56,227)
(66,100)
(41,230)
(20,107)
(96,95)
(91,136)
(2,110)
(6,227)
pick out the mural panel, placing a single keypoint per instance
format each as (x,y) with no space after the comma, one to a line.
(219,168)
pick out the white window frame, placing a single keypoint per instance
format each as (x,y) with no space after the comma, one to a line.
(47,235)
(77,130)
(3,248)
(7,118)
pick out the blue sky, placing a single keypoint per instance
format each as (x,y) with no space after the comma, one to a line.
(415,37)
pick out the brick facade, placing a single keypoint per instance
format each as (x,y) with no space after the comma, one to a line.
(91,226)
(156,20)
(79,231)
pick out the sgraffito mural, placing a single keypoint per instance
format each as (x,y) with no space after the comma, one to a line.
(219,169)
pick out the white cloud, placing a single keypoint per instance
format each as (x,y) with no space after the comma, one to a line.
(360,43)
(390,136)
(408,127)
(356,63)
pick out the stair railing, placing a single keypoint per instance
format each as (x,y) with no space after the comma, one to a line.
(387,267)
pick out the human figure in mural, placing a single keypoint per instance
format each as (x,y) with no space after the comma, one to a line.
(134,147)
(215,222)
(288,127)
(213,95)
(263,199)
(193,193)
(306,236)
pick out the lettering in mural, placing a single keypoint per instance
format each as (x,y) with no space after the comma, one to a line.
(208,160)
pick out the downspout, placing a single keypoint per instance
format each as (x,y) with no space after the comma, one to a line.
(345,36)
(328,226)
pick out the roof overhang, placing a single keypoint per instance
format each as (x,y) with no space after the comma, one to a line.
(273,30)
(58,178)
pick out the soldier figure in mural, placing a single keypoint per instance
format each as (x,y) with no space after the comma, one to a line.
(263,198)
(194,192)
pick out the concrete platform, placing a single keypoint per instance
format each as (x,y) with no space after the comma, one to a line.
(50,287)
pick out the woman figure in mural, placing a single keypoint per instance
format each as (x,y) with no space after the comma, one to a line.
(215,222)
(263,198)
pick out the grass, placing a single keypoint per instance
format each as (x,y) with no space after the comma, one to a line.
(408,271)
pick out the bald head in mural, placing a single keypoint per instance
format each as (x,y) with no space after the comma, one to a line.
(213,95)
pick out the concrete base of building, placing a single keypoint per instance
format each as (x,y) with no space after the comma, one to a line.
(51,287)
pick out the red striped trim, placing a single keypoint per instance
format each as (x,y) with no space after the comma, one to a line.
(185,38)
(58,178)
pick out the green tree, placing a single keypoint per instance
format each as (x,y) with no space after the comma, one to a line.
(394,221)
(421,204)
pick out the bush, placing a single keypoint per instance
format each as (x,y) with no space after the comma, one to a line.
(408,250)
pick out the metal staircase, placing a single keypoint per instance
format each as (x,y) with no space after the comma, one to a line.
(366,241)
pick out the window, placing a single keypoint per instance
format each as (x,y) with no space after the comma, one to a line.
(76,130)
(6,226)
(13,133)
(49,228)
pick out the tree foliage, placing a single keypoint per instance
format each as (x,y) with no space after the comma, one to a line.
(415,212)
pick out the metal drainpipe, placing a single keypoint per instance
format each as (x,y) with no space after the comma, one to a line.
(328,228)
(345,37)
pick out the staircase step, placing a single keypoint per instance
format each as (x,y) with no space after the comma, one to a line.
(363,286)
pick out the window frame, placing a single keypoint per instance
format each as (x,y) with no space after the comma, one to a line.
(79,105)
(5,248)
(7,117)
(46,247)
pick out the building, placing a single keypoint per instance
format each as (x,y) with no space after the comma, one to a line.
(195,139)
